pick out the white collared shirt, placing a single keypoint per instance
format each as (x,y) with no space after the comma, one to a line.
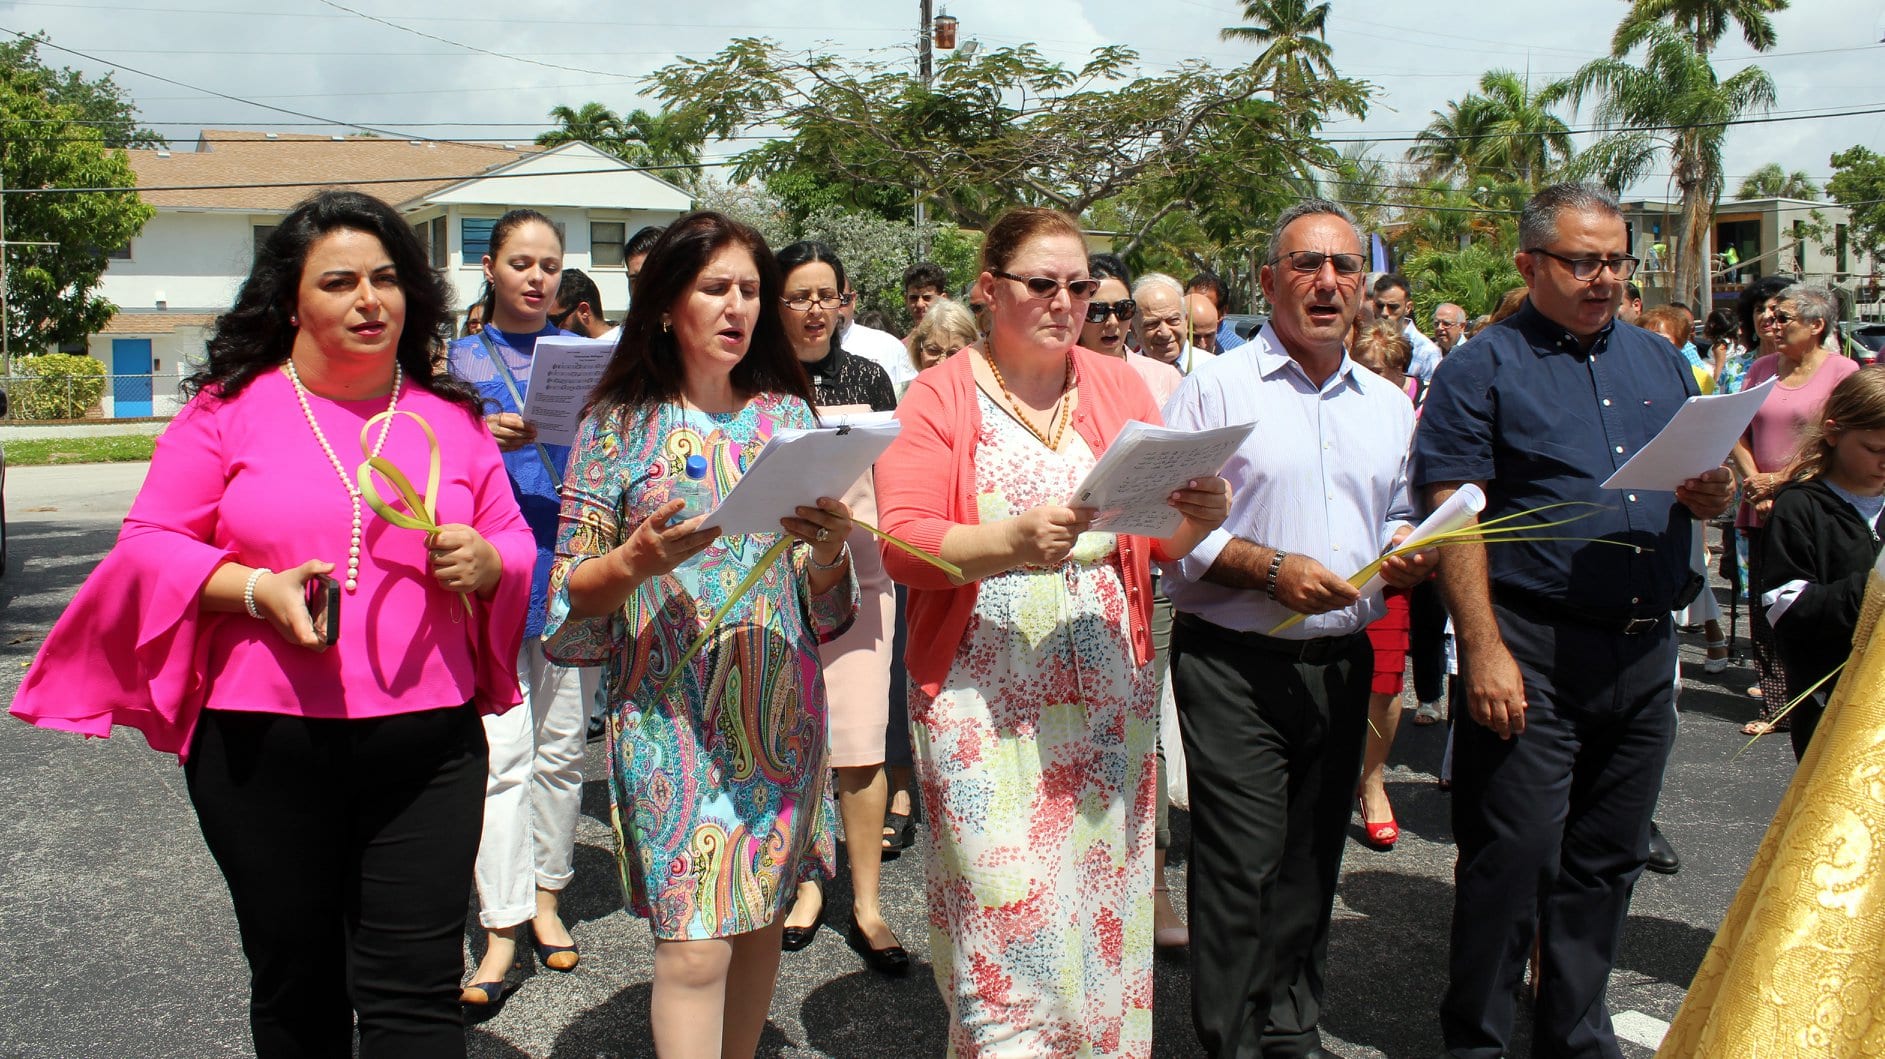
(1426,354)
(881,348)
(1323,475)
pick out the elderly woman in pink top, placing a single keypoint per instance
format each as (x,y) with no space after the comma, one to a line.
(1795,323)
(335,759)
(1032,705)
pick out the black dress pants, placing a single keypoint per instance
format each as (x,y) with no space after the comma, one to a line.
(1426,641)
(348,846)
(1553,830)
(1273,751)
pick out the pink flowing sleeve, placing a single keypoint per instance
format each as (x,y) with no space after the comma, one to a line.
(500,633)
(145,593)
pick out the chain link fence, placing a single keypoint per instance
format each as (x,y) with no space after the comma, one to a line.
(54,398)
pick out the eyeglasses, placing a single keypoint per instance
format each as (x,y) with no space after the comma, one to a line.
(1097,312)
(1045,287)
(1449,324)
(804,302)
(558,318)
(1313,260)
(1586,268)
(1783,318)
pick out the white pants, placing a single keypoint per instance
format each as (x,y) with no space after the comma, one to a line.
(534,794)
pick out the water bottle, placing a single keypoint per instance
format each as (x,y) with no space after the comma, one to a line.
(693,488)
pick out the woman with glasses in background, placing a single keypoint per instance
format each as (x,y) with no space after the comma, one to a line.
(1032,704)
(857,664)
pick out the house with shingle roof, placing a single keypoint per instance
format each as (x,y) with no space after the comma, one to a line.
(218,200)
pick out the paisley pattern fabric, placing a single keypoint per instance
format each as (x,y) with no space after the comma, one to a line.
(717,781)
(1798,966)
(1035,765)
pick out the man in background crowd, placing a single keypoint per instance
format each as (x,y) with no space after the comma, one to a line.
(1394,300)
(577,306)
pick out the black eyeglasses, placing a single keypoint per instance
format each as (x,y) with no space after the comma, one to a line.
(558,318)
(1313,260)
(1097,312)
(1782,318)
(1586,268)
(1045,287)
(804,302)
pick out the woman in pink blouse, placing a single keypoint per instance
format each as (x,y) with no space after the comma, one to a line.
(1795,323)
(335,760)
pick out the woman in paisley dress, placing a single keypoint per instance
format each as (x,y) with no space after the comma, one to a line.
(1033,709)
(716,769)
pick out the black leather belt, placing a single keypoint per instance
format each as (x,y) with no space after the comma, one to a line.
(1624,623)
(1318,651)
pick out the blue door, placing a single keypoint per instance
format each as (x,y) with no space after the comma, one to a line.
(130,377)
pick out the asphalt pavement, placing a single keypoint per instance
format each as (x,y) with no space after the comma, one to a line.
(117,939)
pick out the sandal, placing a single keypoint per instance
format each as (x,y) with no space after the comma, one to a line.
(899,832)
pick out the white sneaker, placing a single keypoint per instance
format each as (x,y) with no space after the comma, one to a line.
(1716,665)
(1428,713)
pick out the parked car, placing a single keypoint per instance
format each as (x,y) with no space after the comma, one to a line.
(1246,324)
(1865,342)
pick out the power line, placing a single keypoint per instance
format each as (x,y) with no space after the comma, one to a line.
(362,182)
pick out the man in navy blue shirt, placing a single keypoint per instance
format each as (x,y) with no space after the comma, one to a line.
(1567,653)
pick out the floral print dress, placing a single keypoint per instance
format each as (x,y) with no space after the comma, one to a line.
(1035,763)
(717,781)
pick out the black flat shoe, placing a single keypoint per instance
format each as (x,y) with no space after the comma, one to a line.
(792,939)
(891,960)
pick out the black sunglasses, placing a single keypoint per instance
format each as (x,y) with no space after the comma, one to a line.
(1044,287)
(558,318)
(1313,260)
(1097,312)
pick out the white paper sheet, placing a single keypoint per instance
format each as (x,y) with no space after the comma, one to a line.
(563,370)
(1132,482)
(1696,440)
(1462,507)
(798,466)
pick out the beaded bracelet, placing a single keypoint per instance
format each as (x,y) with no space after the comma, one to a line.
(248,591)
(844,554)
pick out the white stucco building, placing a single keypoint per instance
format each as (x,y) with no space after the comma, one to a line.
(217,201)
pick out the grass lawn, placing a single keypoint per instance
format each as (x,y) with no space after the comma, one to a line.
(120,448)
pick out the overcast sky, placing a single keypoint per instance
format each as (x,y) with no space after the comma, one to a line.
(315,57)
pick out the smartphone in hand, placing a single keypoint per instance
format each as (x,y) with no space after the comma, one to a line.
(323,599)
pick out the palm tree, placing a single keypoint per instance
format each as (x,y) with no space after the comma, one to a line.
(1672,103)
(594,124)
(1294,37)
(1772,182)
(1703,22)
(1505,130)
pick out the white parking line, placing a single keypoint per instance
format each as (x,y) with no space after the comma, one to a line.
(1638,1028)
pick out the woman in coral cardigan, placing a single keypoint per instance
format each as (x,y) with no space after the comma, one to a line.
(1033,710)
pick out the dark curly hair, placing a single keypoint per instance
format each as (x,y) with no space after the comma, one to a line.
(646,368)
(255,335)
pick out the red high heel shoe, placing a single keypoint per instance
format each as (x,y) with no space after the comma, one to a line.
(1375,836)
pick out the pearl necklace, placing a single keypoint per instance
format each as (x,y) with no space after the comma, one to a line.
(346,480)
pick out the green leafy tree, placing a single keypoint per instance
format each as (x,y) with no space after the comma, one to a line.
(1473,278)
(1859,183)
(639,138)
(1004,127)
(50,289)
(1294,38)
(1702,22)
(56,386)
(1671,105)
(98,102)
(592,123)
(1771,181)
(1504,131)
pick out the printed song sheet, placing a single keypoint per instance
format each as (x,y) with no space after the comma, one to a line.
(1132,482)
(562,372)
(798,466)
(1697,439)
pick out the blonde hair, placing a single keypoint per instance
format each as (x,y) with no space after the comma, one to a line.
(949,323)
(1857,403)
(1384,342)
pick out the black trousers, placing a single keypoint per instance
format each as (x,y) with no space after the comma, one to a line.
(1553,830)
(348,848)
(1426,642)
(1273,752)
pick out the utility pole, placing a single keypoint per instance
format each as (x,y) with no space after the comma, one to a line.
(925,69)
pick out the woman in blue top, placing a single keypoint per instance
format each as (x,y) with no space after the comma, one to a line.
(534,794)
